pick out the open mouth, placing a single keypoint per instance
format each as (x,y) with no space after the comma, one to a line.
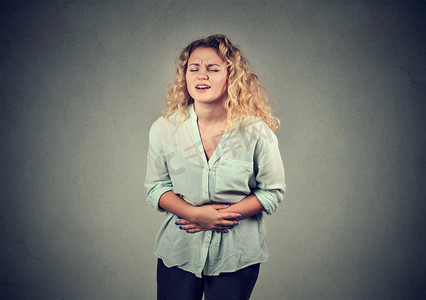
(202,87)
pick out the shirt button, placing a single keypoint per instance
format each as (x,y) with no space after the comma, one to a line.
(208,236)
(205,192)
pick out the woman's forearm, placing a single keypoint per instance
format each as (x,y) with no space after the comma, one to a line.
(247,207)
(176,205)
(209,216)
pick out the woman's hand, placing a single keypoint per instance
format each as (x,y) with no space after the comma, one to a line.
(209,217)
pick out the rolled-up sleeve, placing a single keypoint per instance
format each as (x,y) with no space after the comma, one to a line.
(157,180)
(270,177)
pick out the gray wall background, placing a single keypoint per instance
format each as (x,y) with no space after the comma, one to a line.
(82,81)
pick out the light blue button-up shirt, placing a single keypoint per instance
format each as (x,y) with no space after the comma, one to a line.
(246,161)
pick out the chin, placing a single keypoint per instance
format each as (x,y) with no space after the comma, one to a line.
(198,99)
(205,101)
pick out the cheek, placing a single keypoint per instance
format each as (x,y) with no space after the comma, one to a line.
(191,79)
(187,82)
(225,83)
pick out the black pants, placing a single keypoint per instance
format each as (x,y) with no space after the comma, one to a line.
(177,284)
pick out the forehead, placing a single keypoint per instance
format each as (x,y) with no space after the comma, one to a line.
(205,55)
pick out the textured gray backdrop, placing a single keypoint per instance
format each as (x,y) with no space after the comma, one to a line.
(82,81)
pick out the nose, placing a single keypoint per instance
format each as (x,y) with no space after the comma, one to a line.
(202,75)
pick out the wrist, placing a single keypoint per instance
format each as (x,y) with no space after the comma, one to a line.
(191,214)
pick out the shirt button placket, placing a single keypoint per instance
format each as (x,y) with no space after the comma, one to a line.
(208,234)
(205,249)
(206,183)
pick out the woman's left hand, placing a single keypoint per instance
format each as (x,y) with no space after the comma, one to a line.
(192,227)
(246,208)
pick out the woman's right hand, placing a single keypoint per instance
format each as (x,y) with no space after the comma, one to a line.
(209,217)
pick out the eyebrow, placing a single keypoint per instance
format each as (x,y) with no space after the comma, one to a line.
(210,65)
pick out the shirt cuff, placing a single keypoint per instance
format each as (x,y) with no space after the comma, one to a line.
(154,197)
(268,200)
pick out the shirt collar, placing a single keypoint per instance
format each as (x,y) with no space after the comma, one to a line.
(192,115)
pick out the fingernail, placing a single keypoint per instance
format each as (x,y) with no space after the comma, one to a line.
(176,223)
(179,218)
(240,216)
(228,204)
(236,224)
(187,231)
(225,231)
(231,227)
(180,227)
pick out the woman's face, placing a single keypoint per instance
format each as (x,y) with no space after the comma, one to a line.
(206,76)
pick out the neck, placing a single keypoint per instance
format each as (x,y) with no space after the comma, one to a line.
(209,113)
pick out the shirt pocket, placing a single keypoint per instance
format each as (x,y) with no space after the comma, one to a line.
(233,177)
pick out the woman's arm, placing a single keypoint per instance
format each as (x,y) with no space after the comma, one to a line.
(246,208)
(199,218)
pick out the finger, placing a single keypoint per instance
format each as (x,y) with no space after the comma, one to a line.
(204,229)
(224,228)
(226,223)
(220,206)
(196,229)
(190,227)
(219,227)
(182,222)
(230,216)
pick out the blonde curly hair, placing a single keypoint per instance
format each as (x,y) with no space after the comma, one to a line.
(245,98)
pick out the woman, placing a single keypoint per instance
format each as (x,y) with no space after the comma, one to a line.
(215,168)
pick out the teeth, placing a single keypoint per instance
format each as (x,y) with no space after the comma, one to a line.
(203,87)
